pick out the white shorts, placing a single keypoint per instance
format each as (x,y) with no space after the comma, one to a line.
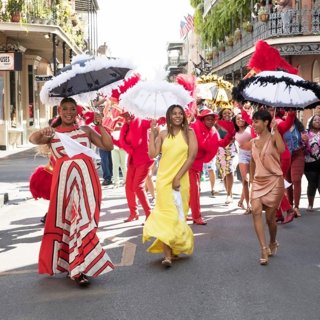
(244,156)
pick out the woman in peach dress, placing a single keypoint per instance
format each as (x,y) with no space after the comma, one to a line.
(267,185)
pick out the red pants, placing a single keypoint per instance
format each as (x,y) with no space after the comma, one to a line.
(194,202)
(135,187)
(285,204)
(294,176)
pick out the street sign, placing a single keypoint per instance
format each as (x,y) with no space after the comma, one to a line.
(43,77)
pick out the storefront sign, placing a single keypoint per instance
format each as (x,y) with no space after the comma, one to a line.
(10,61)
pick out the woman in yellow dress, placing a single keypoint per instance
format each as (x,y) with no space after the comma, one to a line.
(178,147)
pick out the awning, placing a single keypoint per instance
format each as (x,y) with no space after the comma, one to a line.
(37,39)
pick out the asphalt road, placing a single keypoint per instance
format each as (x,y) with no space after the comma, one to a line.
(221,280)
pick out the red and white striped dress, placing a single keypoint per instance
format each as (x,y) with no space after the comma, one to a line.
(70,243)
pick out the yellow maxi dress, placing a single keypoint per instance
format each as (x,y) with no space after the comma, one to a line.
(164,223)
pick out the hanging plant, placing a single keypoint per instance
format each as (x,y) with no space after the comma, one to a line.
(221,46)
(217,22)
(237,35)
(247,26)
(229,40)
(263,14)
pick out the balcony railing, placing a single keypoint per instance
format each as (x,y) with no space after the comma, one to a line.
(291,23)
(176,61)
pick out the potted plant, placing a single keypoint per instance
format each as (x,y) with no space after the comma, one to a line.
(247,26)
(221,46)
(237,35)
(214,51)
(229,40)
(14,8)
(209,55)
(263,14)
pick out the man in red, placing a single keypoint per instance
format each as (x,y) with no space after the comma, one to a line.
(134,140)
(208,142)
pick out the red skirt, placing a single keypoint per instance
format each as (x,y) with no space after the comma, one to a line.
(70,243)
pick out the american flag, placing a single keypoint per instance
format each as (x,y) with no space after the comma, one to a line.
(186,25)
(182,28)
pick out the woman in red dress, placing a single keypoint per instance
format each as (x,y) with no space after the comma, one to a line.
(70,243)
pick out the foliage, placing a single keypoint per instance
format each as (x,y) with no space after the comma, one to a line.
(195,3)
(262,10)
(223,17)
(247,26)
(39,9)
(14,6)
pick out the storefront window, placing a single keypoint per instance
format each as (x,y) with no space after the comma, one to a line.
(13,100)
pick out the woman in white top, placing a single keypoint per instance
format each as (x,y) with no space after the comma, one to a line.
(243,137)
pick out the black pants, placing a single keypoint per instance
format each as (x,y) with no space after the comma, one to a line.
(313,178)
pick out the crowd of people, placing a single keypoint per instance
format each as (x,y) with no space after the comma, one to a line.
(269,147)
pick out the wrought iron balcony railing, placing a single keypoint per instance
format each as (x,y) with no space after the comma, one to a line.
(291,23)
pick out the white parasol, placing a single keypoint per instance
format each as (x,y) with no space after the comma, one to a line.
(151,99)
(278,89)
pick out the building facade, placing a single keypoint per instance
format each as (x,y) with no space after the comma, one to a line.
(37,37)
(293,28)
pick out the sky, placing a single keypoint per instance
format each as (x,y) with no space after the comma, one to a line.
(140,30)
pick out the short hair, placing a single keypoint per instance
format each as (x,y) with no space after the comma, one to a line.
(262,115)
(68,99)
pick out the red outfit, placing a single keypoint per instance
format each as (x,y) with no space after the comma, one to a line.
(208,142)
(285,158)
(70,242)
(134,140)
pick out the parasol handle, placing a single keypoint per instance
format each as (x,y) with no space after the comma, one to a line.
(274,118)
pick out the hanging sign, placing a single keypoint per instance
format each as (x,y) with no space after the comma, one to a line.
(10,61)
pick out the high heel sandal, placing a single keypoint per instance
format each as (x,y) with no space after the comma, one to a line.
(240,204)
(82,280)
(297,212)
(273,248)
(166,262)
(264,256)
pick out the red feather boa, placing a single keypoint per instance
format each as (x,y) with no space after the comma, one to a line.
(40,183)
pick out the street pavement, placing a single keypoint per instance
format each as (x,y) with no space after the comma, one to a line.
(221,280)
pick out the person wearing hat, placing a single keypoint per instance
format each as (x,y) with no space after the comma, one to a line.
(208,142)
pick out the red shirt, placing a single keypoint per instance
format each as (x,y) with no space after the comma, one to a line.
(134,140)
(208,142)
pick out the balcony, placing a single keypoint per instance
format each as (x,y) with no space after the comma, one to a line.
(294,32)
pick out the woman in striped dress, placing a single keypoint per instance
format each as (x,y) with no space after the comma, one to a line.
(70,243)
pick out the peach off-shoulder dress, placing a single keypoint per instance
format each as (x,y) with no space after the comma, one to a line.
(268,182)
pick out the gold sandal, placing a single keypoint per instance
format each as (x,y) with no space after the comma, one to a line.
(273,248)
(264,256)
(166,262)
(240,204)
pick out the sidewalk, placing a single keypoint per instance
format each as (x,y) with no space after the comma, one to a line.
(6,188)
(21,148)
